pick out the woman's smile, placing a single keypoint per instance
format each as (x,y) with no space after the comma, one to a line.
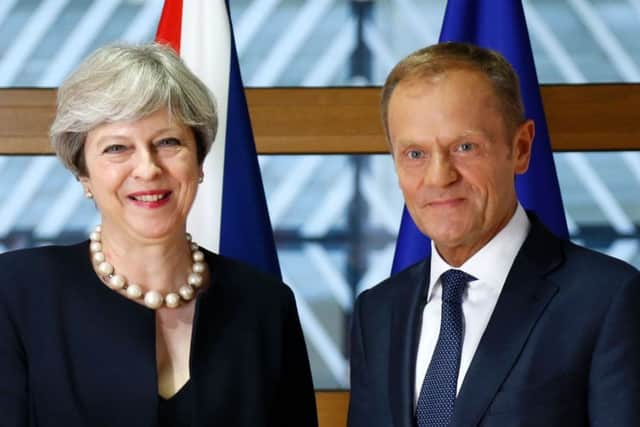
(150,199)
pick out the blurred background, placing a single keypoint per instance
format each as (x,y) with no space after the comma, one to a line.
(335,217)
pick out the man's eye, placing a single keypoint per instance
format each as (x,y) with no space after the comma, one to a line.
(415,154)
(115,148)
(465,146)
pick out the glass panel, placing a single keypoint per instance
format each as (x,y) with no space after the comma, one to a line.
(318,42)
(335,219)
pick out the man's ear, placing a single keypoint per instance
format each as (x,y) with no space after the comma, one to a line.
(522,143)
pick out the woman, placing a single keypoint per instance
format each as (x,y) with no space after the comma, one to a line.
(139,326)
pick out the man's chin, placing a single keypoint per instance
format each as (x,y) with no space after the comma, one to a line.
(444,228)
(448,238)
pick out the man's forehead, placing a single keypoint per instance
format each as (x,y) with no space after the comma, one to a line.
(464,85)
(455,105)
(474,79)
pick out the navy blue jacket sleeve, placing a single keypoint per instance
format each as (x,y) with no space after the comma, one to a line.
(614,383)
(13,372)
(361,410)
(297,398)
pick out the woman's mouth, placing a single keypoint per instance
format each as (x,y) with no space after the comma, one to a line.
(150,198)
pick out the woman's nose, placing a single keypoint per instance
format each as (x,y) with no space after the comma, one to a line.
(147,166)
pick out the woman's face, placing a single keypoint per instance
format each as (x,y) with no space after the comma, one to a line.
(143,175)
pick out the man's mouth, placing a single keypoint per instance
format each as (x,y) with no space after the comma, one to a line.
(449,202)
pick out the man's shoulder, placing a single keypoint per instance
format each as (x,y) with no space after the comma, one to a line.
(590,264)
(406,281)
(576,269)
(557,255)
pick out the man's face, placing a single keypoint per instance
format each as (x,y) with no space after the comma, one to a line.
(455,159)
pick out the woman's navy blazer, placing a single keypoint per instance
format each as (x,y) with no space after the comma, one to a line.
(75,353)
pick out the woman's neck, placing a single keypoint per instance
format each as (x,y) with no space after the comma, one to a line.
(155,264)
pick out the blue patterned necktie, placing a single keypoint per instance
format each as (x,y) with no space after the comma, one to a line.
(438,392)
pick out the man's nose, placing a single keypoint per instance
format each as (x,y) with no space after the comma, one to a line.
(440,172)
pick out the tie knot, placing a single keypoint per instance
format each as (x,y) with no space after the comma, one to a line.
(453,285)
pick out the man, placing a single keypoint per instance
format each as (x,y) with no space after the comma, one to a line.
(504,324)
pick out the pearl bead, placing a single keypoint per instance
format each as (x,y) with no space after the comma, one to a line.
(198,267)
(188,236)
(153,299)
(95,246)
(198,256)
(195,280)
(194,246)
(98,257)
(186,292)
(98,228)
(95,236)
(134,291)
(172,300)
(116,281)
(105,268)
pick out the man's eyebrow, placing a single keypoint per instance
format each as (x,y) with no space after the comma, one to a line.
(473,132)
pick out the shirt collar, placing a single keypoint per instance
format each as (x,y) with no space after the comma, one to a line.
(491,264)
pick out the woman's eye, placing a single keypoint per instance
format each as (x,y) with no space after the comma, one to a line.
(115,148)
(168,142)
(415,154)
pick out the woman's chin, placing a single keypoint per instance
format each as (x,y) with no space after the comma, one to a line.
(153,231)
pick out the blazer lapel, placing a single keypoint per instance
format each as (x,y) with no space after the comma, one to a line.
(405,325)
(111,348)
(524,298)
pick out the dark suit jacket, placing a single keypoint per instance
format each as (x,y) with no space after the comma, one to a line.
(75,353)
(562,347)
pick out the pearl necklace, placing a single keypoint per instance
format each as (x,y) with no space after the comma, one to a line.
(152,299)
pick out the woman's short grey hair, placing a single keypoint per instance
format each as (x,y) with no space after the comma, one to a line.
(128,82)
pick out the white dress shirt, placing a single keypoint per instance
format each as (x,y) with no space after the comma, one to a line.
(490,265)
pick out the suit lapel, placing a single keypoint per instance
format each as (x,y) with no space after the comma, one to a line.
(405,325)
(525,296)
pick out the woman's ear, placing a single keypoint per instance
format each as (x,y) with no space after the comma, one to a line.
(85,185)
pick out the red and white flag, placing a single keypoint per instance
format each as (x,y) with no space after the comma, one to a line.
(230,213)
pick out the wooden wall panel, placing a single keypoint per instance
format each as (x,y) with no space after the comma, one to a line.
(332,408)
(346,120)
(25,117)
(593,117)
(332,120)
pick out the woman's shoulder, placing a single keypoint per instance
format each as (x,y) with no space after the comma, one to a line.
(34,269)
(31,278)
(230,275)
(31,259)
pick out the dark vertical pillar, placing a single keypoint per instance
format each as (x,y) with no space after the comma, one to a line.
(360,73)
(361,57)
